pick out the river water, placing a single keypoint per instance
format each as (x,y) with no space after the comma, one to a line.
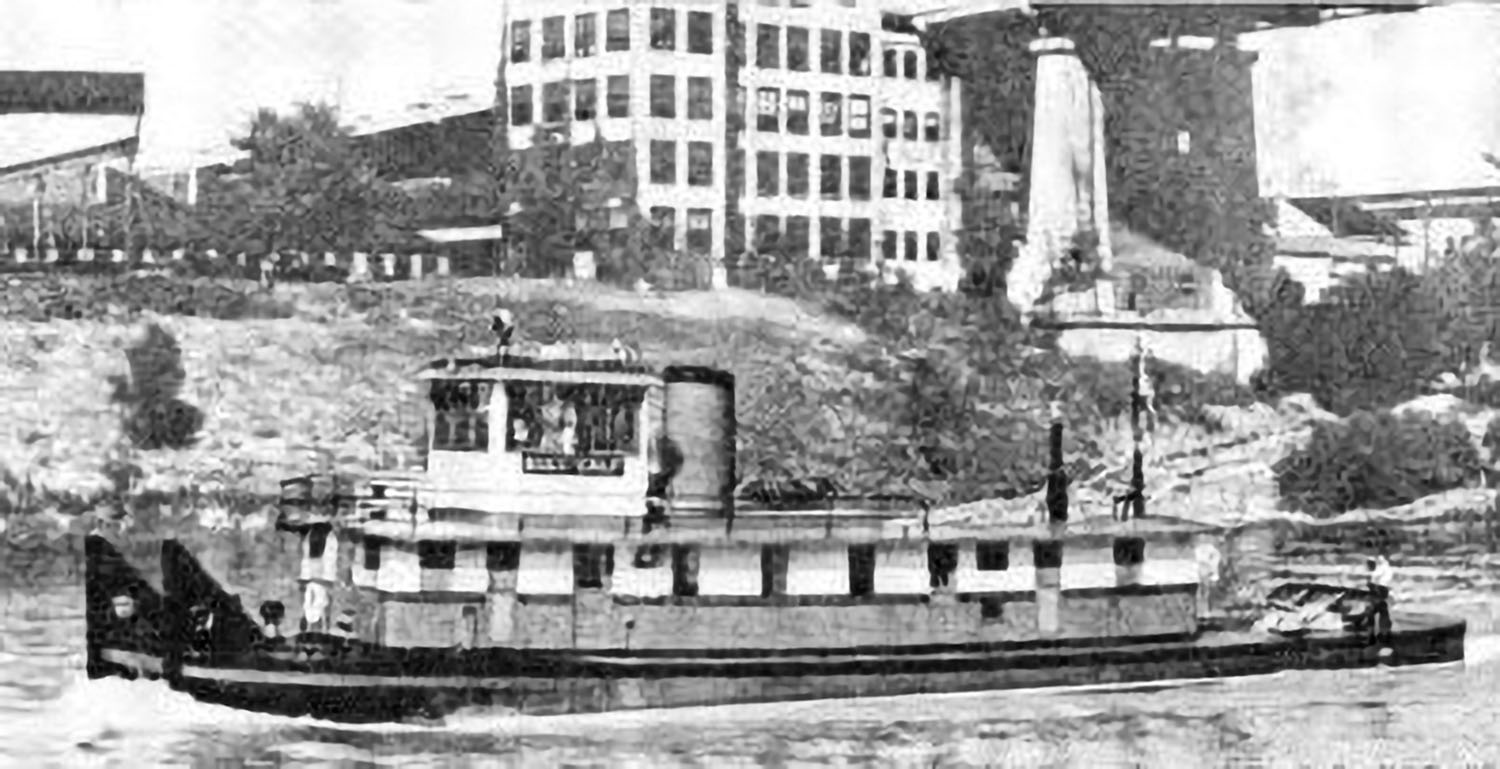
(1447,716)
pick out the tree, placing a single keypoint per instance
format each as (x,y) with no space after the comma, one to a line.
(304,186)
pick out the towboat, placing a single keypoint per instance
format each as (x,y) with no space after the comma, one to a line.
(577,542)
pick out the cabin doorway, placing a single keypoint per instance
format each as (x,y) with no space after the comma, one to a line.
(468,627)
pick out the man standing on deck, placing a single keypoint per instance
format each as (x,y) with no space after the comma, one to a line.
(1380,590)
(1208,558)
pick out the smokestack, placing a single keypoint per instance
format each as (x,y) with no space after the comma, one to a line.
(1057,477)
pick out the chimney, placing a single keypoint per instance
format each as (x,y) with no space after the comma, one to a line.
(1057,477)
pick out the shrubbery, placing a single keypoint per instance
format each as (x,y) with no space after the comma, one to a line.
(68,297)
(1377,460)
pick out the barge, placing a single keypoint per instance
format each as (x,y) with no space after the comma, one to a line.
(578,542)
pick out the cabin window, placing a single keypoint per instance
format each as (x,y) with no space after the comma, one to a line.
(942,561)
(591,565)
(1047,555)
(861,569)
(462,422)
(1130,551)
(502,556)
(649,556)
(684,570)
(317,541)
(992,556)
(372,554)
(774,560)
(437,555)
(571,419)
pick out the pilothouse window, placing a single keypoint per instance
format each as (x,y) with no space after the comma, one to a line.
(570,419)
(462,422)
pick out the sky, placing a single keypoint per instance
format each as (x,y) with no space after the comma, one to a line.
(1405,101)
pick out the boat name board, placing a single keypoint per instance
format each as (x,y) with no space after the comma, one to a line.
(536,463)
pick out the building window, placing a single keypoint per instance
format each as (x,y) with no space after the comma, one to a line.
(664,227)
(830,237)
(797,44)
(888,59)
(830,176)
(520,105)
(909,125)
(859,53)
(700,98)
(372,553)
(663,96)
(585,99)
(663,162)
(617,96)
(888,246)
(767,233)
(910,178)
(831,50)
(888,123)
(797,164)
(892,186)
(798,235)
(934,127)
(859,178)
(773,568)
(768,110)
(700,231)
(700,32)
(585,34)
(462,421)
(911,65)
(554,102)
(934,187)
(1047,555)
(591,565)
(700,164)
(663,29)
(859,117)
(992,556)
(934,71)
(317,541)
(554,37)
(767,46)
(911,246)
(433,554)
(520,41)
(942,561)
(767,174)
(831,114)
(1130,551)
(684,570)
(502,556)
(859,239)
(861,570)
(617,30)
(934,246)
(796,112)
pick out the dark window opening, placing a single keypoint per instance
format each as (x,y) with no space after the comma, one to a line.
(911,246)
(933,127)
(942,562)
(437,555)
(911,65)
(798,236)
(700,98)
(663,29)
(859,53)
(767,46)
(859,178)
(892,185)
(1130,551)
(592,564)
(910,180)
(317,541)
(663,96)
(617,97)
(992,608)
(1047,555)
(992,556)
(831,114)
(700,163)
(664,227)
(684,570)
(934,187)
(520,105)
(767,174)
(520,41)
(502,556)
(797,174)
(372,553)
(617,30)
(700,32)
(861,570)
(888,123)
(859,239)
(554,102)
(768,110)
(700,231)
(767,233)
(888,60)
(773,569)
(934,247)
(462,421)
(585,99)
(831,48)
(909,126)
(888,245)
(554,37)
(830,238)
(585,34)
(797,53)
(830,176)
(797,112)
(934,70)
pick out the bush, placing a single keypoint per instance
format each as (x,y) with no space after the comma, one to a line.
(1376,460)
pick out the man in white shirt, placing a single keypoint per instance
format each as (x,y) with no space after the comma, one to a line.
(1380,588)
(1209,561)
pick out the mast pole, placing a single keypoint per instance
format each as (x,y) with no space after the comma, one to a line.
(1140,404)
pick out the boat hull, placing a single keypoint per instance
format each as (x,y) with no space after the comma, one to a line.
(549,683)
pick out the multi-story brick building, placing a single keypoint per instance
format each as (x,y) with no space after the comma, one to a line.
(816,128)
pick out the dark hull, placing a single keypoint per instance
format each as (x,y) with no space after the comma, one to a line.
(354,691)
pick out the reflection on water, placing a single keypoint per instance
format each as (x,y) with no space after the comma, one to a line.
(50,716)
